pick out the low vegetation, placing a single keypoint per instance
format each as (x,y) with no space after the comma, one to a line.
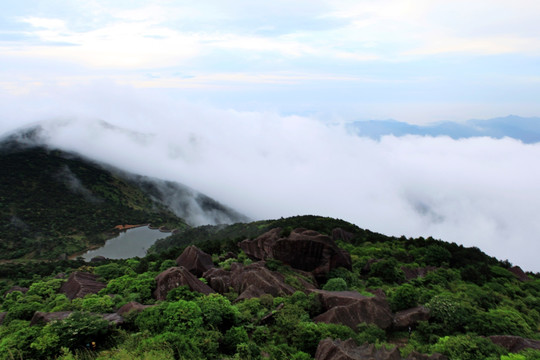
(469,294)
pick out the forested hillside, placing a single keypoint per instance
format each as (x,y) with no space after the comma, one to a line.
(277,289)
(54,203)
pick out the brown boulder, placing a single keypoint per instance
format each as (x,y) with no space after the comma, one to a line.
(2,317)
(131,306)
(195,260)
(329,349)
(80,284)
(410,317)
(515,343)
(302,249)
(340,234)
(519,273)
(175,277)
(45,317)
(351,308)
(249,281)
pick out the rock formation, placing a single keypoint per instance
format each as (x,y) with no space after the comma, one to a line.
(195,260)
(131,306)
(80,284)
(175,277)
(249,281)
(519,273)
(410,317)
(302,249)
(515,343)
(329,349)
(2,317)
(351,308)
(45,317)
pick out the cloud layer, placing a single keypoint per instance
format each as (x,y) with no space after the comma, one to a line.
(477,192)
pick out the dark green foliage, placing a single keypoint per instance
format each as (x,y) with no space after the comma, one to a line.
(335,284)
(465,306)
(468,347)
(404,297)
(55,203)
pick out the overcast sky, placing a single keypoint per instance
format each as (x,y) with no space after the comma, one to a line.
(411,60)
(243,100)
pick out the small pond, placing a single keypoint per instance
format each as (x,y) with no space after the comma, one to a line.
(130,243)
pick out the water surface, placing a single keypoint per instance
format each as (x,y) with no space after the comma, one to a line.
(130,243)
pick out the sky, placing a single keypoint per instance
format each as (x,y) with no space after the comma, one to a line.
(246,101)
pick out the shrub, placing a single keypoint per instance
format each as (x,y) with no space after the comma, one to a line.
(335,284)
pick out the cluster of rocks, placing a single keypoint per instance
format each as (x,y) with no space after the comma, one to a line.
(329,349)
(311,256)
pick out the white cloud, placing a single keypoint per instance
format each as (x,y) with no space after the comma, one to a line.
(478,192)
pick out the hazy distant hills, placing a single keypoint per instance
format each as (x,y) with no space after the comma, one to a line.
(525,129)
(54,202)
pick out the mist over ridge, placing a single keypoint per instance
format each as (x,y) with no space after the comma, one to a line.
(477,191)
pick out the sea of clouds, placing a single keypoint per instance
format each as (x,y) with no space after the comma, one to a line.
(478,192)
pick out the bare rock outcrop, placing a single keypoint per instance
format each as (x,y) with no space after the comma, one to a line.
(302,249)
(329,349)
(195,260)
(410,317)
(41,317)
(249,281)
(515,343)
(351,308)
(178,276)
(130,307)
(340,234)
(80,284)
(519,273)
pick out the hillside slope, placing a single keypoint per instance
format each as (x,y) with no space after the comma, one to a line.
(54,202)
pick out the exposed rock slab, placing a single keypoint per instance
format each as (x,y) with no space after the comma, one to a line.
(131,306)
(248,281)
(351,308)
(41,317)
(175,277)
(80,284)
(329,349)
(519,273)
(410,317)
(515,343)
(340,234)
(302,249)
(195,260)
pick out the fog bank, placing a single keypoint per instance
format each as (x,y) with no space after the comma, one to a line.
(478,192)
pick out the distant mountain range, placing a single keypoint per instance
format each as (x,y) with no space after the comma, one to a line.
(54,202)
(525,129)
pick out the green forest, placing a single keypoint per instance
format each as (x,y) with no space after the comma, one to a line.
(468,295)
